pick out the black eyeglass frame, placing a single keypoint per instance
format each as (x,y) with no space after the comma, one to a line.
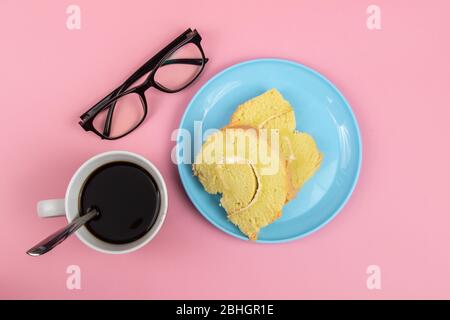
(150,67)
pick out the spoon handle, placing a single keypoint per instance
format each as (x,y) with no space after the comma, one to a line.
(59,236)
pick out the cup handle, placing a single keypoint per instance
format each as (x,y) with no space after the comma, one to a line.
(51,208)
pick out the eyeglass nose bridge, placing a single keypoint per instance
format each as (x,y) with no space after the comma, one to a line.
(147,84)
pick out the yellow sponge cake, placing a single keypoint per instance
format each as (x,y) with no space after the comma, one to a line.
(238,183)
(253,189)
(255,185)
(271,111)
(268,110)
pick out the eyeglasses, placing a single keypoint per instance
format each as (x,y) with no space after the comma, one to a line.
(171,70)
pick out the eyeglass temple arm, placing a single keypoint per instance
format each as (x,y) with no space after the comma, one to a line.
(193,61)
(145,68)
(196,61)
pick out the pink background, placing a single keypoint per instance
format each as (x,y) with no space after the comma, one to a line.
(396,79)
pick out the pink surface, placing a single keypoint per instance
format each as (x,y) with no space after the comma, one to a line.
(396,79)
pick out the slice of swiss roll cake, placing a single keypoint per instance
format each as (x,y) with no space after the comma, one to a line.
(271,111)
(250,174)
(255,185)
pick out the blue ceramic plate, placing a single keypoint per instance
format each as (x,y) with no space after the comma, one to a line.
(320,110)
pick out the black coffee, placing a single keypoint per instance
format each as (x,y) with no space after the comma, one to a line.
(127,198)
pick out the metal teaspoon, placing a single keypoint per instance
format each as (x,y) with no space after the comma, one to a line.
(59,236)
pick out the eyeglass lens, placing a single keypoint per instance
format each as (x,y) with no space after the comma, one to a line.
(128,113)
(180,68)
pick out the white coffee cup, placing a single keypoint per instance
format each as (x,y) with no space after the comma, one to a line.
(69,206)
